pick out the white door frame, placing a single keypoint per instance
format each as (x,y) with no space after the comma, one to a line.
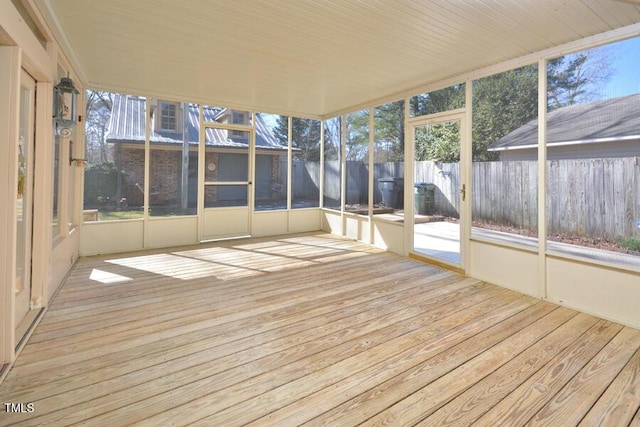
(222,213)
(459,115)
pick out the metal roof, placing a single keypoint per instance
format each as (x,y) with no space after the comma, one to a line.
(613,119)
(127,124)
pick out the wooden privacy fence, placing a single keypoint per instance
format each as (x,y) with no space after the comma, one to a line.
(594,197)
(598,198)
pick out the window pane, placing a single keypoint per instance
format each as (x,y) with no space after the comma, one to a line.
(504,180)
(305,179)
(71,187)
(357,162)
(332,163)
(272,161)
(227,116)
(114,175)
(227,160)
(219,196)
(593,152)
(56,187)
(227,155)
(173,160)
(446,99)
(388,125)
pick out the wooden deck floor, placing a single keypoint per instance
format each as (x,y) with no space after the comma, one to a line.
(313,330)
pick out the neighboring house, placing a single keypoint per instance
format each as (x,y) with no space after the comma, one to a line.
(608,128)
(226,152)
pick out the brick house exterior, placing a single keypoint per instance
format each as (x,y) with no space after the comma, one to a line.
(225,150)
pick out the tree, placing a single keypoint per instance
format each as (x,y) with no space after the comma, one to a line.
(332,138)
(439,142)
(502,103)
(98,113)
(449,98)
(357,138)
(388,132)
(579,77)
(305,135)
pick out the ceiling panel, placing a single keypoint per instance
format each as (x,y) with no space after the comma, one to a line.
(312,57)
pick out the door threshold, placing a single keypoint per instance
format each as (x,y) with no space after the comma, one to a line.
(437,263)
(26,326)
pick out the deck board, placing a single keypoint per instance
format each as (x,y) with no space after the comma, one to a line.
(316,330)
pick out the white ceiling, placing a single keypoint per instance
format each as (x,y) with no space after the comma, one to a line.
(312,57)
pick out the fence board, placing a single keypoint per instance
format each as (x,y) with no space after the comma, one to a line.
(598,198)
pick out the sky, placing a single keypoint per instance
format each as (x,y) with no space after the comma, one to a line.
(626,79)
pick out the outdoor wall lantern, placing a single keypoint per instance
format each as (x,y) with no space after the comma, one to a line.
(64,107)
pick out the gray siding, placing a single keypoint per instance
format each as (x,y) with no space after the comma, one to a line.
(616,149)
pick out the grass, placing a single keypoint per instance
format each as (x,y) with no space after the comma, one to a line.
(118,215)
(137,213)
(631,244)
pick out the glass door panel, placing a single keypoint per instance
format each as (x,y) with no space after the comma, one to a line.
(436,192)
(24,203)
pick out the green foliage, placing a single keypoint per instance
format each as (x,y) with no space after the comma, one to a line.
(450,98)
(357,138)
(631,244)
(565,84)
(438,143)
(100,183)
(388,132)
(501,104)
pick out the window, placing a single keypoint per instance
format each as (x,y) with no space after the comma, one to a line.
(168,116)
(305,171)
(114,171)
(357,162)
(56,187)
(388,158)
(173,168)
(505,152)
(593,152)
(332,163)
(239,118)
(446,99)
(272,161)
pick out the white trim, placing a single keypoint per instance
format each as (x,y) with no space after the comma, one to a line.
(542,178)
(146,185)
(227,183)
(566,143)
(409,171)
(9,130)
(466,165)
(321,201)
(371,172)
(35,59)
(460,116)
(201,173)
(436,117)
(228,126)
